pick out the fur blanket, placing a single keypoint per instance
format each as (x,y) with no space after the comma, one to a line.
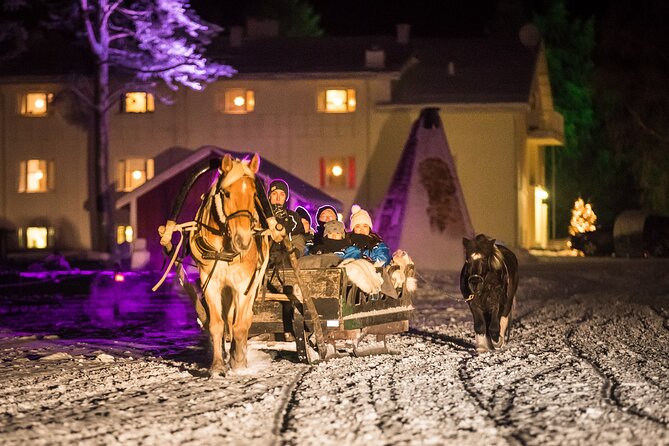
(398,277)
(363,274)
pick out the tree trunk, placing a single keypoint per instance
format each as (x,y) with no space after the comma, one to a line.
(104,206)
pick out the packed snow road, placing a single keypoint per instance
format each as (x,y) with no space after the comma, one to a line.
(588,363)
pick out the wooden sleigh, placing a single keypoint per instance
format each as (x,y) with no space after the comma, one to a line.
(346,314)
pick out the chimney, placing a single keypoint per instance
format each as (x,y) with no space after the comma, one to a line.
(236,36)
(259,28)
(375,57)
(403,33)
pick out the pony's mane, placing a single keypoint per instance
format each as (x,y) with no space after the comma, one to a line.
(497,258)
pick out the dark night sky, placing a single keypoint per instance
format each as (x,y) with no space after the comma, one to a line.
(429,18)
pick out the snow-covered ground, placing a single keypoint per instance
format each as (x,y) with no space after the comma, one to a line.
(588,363)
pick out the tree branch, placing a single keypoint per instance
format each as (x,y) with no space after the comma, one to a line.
(90,33)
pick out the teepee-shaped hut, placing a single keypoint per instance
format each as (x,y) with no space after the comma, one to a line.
(424,210)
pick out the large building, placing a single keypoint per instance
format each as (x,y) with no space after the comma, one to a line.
(335,112)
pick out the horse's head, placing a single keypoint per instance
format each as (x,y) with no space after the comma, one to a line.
(236,200)
(481,257)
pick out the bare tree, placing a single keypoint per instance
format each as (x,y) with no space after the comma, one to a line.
(147,41)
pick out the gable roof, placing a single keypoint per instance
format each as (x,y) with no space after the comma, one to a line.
(300,191)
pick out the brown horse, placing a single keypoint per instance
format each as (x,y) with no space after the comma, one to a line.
(231,256)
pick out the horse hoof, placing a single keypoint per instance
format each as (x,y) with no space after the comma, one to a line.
(482,348)
(498,344)
(236,365)
(218,369)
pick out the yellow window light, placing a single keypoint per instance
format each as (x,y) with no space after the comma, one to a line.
(36,237)
(337,101)
(36,104)
(138,102)
(238,101)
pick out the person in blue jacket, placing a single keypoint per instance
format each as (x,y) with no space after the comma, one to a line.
(368,244)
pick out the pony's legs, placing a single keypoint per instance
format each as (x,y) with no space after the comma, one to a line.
(240,330)
(216,326)
(482,341)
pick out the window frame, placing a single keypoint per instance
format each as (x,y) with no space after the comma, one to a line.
(225,101)
(348,176)
(24,104)
(149,103)
(124,171)
(350,104)
(48,168)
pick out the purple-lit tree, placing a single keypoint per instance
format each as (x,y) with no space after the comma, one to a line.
(145,41)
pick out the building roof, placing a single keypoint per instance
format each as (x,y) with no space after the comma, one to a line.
(301,192)
(425,71)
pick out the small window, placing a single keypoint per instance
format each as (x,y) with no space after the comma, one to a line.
(37,237)
(133,172)
(36,176)
(237,101)
(124,234)
(338,172)
(36,104)
(137,102)
(337,101)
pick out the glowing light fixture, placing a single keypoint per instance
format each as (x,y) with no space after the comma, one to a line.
(118,277)
(337,170)
(540,193)
(137,174)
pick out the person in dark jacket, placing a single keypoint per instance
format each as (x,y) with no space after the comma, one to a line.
(324,214)
(334,241)
(308,230)
(278,195)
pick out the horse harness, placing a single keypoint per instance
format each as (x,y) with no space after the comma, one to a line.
(217,211)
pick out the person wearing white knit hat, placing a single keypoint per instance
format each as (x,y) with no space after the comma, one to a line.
(369,244)
(360,218)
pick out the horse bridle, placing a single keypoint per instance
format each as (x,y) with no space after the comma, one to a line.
(223,193)
(473,294)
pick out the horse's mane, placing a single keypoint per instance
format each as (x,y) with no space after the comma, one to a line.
(497,258)
(239,169)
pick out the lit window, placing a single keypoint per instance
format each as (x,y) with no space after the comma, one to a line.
(337,101)
(124,234)
(237,101)
(137,102)
(338,172)
(132,173)
(36,237)
(36,176)
(36,104)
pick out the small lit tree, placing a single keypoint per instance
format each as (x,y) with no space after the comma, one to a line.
(583,218)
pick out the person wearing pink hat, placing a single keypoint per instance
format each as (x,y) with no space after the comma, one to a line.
(369,244)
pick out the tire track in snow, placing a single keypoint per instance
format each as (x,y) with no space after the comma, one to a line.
(282,416)
(610,384)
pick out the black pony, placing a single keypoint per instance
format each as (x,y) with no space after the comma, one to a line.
(488,282)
